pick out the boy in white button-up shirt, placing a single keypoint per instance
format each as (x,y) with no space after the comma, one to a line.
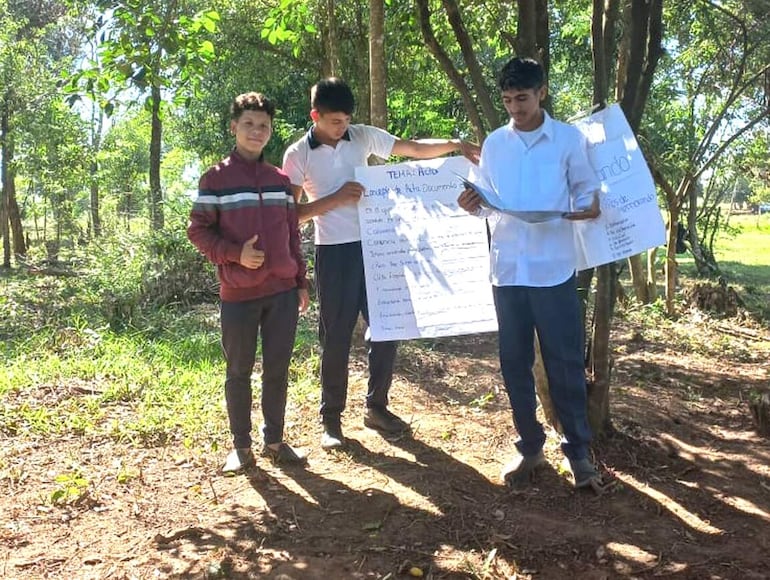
(537,164)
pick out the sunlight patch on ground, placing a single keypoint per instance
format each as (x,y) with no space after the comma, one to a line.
(675,508)
(630,554)
(741,504)
(699,455)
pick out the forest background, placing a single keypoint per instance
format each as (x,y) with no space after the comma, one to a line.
(110,110)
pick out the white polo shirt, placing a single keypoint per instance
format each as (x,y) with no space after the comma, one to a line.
(322,169)
(548,169)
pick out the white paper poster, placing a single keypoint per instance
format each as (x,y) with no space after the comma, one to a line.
(426,259)
(630,221)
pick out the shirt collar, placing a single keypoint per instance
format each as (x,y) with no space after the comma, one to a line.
(315,143)
(546,127)
(241,159)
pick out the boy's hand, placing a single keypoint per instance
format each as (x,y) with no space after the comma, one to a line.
(469,200)
(585,214)
(304,299)
(351,192)
(470,151)
(252,258)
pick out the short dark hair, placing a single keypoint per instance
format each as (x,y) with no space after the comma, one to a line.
(522,74)
(251,102)
(332,95)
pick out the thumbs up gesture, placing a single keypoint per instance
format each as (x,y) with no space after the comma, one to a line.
(251,257)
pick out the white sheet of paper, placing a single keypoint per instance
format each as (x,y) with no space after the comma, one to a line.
(426,260)
(631,221)
(491,200)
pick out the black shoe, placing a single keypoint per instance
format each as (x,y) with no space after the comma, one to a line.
(585,473)
(332,437)
(238,460)
(521,469)
(284,455)
(383,420)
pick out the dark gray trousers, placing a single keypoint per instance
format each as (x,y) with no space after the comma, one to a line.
(274,319)
(339,273)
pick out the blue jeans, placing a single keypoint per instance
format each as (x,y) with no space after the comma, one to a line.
(555,313)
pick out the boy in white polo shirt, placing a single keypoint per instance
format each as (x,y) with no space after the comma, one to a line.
(536,163)
(322,164)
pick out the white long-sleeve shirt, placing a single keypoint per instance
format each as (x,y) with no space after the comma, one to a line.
(551,172)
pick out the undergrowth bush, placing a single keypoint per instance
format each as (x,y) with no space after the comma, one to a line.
(128,272)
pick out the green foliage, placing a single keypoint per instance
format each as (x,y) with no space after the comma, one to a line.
(146,44)
(71,488)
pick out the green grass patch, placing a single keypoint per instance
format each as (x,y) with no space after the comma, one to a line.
(156,381)
(744,258)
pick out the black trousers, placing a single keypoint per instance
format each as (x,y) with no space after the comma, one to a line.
(274,319)
(339,272)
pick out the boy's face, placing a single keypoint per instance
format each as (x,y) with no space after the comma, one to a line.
(252,131)
(523,105)
(330,127)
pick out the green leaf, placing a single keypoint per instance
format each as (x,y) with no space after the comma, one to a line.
(206,49)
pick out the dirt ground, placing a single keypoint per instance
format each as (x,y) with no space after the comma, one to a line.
(691,493)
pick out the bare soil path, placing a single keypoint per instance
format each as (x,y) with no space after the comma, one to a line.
(691,497)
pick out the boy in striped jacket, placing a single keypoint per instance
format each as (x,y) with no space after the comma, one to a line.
(245,222)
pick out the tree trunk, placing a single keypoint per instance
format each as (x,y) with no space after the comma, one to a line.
(377,66)
(4,230)
(703,264)
(14,217)
(96,221)
(488,108)
(526,27)
(671,266)
(96,135)
(638,278)
(601,366)
(423,18)
(156,194)
(602,36)
(652,276)
(360,74)
(599,53)
(11,228)
(331,46)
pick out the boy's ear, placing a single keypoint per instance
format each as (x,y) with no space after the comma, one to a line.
(314,114)
(543,92)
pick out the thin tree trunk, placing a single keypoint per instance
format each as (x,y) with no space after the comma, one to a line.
(14,217)
(702,263)
(332,52)
(652,276)
(601,366)
(526,28)
(671,266)
(156,194)
(377,65)
(96,131)
(488,108)
(96,221)
(624,49)
(423,18)
(11,228)
(638,278)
